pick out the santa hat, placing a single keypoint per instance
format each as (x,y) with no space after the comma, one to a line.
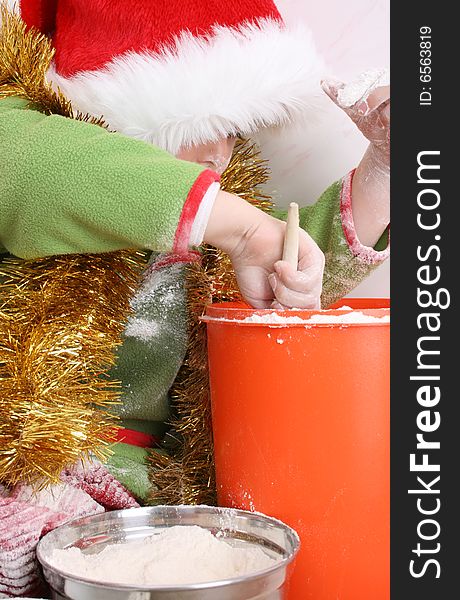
(175,72)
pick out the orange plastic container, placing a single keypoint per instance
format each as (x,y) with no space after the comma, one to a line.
(301,419)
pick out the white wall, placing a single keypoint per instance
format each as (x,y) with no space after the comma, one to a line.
(352,36)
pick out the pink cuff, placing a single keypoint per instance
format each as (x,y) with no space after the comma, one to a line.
(187,217)
(365,253)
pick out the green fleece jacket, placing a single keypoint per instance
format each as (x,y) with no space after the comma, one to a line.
(71,187)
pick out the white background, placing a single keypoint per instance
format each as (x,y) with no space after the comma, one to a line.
(352,36)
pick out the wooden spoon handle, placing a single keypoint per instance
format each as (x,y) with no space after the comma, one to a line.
(291,238)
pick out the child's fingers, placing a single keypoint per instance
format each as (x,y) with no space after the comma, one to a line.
(332,87)
(310,254)
(375,126)
(301,287)
(378,96)
(300,281)
(385,112)
(290,298)
(366,105)
(297,289)
(371,99)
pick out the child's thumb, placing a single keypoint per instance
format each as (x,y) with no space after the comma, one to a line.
(331,87)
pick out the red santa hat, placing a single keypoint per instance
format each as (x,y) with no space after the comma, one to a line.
(175,72)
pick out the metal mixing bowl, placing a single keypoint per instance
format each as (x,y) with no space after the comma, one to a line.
(92,534)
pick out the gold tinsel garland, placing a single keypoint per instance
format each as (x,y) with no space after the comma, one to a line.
(61,318)
(186,476)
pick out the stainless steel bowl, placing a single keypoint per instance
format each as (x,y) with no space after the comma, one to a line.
(92,534)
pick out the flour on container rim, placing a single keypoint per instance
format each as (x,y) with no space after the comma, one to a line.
(353,317)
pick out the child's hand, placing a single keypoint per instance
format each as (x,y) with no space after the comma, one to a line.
(371,182)
(268,282)
(254,241)
(371,114)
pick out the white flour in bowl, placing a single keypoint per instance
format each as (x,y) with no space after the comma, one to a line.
(178,555)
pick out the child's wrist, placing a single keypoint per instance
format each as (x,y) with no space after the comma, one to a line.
(231,221)
(377,160)
(203,215)
(370,197)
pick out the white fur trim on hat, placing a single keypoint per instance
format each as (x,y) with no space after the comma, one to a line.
(235,81)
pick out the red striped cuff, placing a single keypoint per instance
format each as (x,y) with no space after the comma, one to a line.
(167,260)
(137,438)
(194,198)
(366,253)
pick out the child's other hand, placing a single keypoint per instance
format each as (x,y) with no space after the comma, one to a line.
(367,103)
(370,113)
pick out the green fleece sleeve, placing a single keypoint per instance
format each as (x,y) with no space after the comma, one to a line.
(154,345)
(329,223)
(71,187)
